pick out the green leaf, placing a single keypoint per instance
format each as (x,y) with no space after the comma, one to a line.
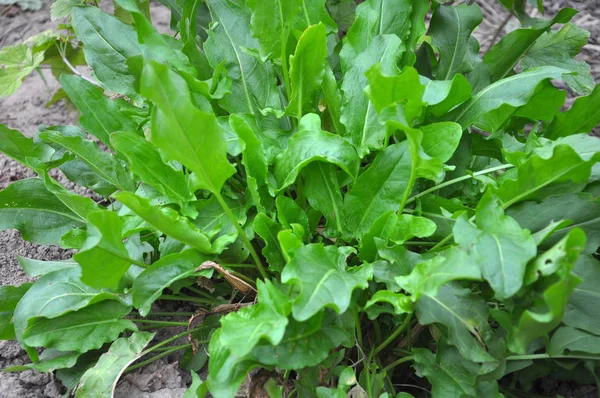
(465,317)
(216,224)
(323,192)
(198,389)
(167,221)
(583,116)
(310,144)
(9,298)
(253,82)
(17,146)
(380,231)
(145,161)
(408,227)
(357,113)
(108,43)
(322,279)
(103,257)
(581,311)
(271,25)
(505,54)
(538,178)
(443,95)
(379,189)
(184,133)
(313,12)
(514,91)
(559,48)
(41,217)
(33,267)
(450,30)
(268,229)
(149,285)
(102,379)
(49,361)
(102,163)
(83,330)
(241,331)
(99,115)
(570,339)
(399,302)
(55,294)
(449,374)
(289,213)
(398,261)
(16,63)
(307,70)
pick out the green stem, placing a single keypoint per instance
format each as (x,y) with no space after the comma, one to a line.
(442,242)
(398,362)
(242,234)
(459,179)
(185,298)
(160,323)
(170,314)
(154,358)
(173,338)
(395,334)
(181,346)
(200,292)
(408,190)
(547,356)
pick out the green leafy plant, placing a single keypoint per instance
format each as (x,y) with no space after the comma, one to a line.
(351,200)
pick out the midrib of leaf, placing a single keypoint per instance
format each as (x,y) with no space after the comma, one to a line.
(454,314)
(458,29)
(305,12)
(79,325)
(587,292)
(336,211)
(571,341)
(458,383)
(237,56)
(381,7)
(61,296)
(91,111)
(319,285)
(31,209)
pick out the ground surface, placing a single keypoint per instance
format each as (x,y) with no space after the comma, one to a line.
(26,110)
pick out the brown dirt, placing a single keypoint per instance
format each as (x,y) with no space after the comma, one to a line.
(26,109)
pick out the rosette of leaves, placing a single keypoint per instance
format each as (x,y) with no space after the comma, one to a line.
(385,206)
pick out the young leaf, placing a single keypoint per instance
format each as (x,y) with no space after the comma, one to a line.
(108,43)
(320,274)
(41,217)
(83,330)
(465,317)
(167,221)
(9,298)
(450,29)
(149,285)
(268,229)
(443,95)
(310,144)
(198,389)
(307,69)
(379,189)
(253,82)
(399,302)
(103,257)
(323,192)
(99,115)
(182,132)
(103,377)
(145,161)
(583,116)
(409,227)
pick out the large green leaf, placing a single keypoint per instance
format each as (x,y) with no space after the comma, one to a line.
(9,298)
(581,311)
(307,70)
(55,294)
(83,330)
(49,361)
(450,29)
(102,379)
(559,49)
(108,43)
(571,339)
(33,267)
(505,54)
(103,258)
(167,221)
(271,25)
(253,82)
(182,132)
(379,189)
(145,161)
(310,144)
(443,95)
(513,91)
(357,112)
(99,115)
(241,331)
(102,163)
(149,285)
(583,116)
(41,217)
(323,280)
(322,190)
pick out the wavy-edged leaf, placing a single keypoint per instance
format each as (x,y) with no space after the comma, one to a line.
(409,226)
(15,145)
(443,95)
(101,380)
(268,229)
(323,192)
(583,116)
(310,144)
(183,132)
(41,217)
(145,161)
(401,304)
(323,280)
(149,285)
(16,63)
(167,221)
(83,330)
(581,311)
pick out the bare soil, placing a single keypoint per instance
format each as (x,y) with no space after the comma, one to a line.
(27,109)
